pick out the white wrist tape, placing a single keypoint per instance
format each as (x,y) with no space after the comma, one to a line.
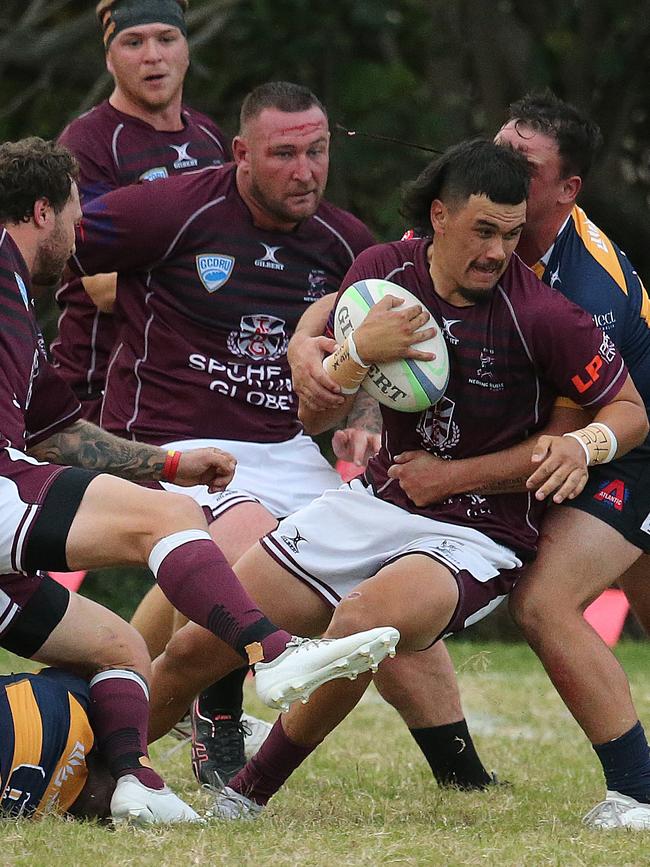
(346,367)
(598,442)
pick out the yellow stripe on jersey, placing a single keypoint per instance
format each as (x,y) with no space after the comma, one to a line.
(567,403)
(28,733)
(599,245)
(71,772)
(645,304)
(539,268)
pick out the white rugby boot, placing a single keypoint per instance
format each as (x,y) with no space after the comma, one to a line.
(308,663)
(230,805)
(619,811)
(134,802)
(256,732)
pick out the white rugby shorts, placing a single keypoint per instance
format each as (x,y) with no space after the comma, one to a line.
(283,477)
(347,535)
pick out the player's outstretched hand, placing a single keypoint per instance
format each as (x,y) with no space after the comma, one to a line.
(311,383)
(388,333)
(562,469)
(355,445)
(210,467)
(423,477)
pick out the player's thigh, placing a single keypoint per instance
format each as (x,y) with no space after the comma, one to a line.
(284,599)
(91,638)
(238,529)
(578,557)
(415,594)
(118,522)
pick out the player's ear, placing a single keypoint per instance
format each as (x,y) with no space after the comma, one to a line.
(42,212)
(439,215)
(570,188)
(239,150)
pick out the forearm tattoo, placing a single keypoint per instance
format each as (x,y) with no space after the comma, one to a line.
(85,445)
(365,413)
(506,486)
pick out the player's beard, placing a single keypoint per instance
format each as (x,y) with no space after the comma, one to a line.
(278,210)
(475,296)
(50,260)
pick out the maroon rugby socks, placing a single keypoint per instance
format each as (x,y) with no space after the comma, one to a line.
(119,717)
(271,766)
(198,581)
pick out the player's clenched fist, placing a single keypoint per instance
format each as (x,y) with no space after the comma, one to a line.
(209,466)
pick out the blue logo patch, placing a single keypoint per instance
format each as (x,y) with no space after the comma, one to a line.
(214,269)
(155,174)
(23,289)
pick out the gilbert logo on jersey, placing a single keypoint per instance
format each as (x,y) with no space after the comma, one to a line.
(214,269)
(184,161)
(268,260)
(613,495)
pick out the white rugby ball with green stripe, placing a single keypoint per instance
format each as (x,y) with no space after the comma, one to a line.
(406,385)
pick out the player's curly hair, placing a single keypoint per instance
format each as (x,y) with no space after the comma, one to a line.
(578,138)
(471,168)
(33,169)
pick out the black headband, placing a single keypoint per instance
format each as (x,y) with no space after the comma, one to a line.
(123,14)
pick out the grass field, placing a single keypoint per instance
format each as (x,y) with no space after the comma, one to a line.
(367,798)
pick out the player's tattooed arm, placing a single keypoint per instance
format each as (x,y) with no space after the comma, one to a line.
(365,413)
(83,444)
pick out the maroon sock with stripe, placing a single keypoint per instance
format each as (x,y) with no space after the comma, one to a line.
(198,581)
(119,717)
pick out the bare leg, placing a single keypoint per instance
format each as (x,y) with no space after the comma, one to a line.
(635,582)
(154,620)
(579,556)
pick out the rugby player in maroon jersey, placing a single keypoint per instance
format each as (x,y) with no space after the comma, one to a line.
(238,254)
(441,565)
(142,132)
(62,510)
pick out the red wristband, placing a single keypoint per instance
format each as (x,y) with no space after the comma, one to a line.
(170,467)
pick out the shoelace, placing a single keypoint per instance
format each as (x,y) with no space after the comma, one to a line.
(297,641)
(604,812)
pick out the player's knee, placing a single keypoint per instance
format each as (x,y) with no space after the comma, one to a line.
(169,513)
(186,652)
(121,647)
(528,608)
(354,613)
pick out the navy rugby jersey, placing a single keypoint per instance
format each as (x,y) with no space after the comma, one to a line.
(509,358)
(589,269)
(45,738)
(34,400)
(207,304)
(114,150)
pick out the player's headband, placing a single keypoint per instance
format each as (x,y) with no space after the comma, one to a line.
(118,15)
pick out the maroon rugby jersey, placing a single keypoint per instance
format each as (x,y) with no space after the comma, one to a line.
(509,359)
(114,150)
(34,401)
(209,305)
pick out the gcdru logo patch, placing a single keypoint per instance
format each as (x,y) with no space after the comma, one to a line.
(156,174)
(214,269)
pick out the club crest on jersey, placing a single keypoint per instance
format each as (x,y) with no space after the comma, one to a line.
(23,289)
(436,428)
(184,161)
(292,542)
(485,376)
(214,269)
(613,495)
(259,337)
(156,174)
(317,285)
(269,260)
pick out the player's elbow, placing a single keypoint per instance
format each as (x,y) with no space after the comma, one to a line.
(313,421)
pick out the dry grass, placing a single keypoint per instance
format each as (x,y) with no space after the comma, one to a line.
(366,797)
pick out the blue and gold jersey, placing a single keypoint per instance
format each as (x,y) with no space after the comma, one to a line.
(590,270)
(45,737)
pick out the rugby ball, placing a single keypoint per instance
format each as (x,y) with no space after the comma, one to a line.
(406,385)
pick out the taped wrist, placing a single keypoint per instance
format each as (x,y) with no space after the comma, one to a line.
(346,367)
(598,442)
